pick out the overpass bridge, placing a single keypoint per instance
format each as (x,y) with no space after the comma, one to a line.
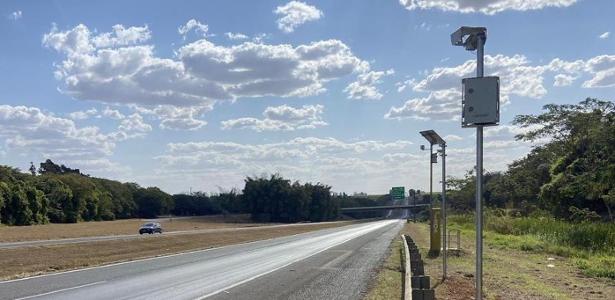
(385,207)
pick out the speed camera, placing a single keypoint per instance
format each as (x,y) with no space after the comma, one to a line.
(480,101)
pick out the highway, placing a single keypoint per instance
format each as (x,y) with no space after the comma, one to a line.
(101,238)
(331,263)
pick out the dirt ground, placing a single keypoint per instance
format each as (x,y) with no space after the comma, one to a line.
(119,227)
(510,274)
(23,262)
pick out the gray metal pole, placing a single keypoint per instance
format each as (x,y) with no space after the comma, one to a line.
(479,180)
(444,232)
(430,175)
(431,220)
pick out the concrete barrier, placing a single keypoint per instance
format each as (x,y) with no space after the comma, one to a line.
(407,272)
(417,285)
(420,282)
(423,294)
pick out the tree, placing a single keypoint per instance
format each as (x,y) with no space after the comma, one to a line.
(32,169)
(37,203)
(121,202)
(19,206)
(152,202)
(582,173)
(49,167)
(59,198)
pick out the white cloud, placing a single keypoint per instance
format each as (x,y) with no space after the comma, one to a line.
(134,125)
(281,118)
(177,118)
(16,15)
(605,35)
(35,133)
(260,38)
(28,129)
(122,37)
(403,85)
(203,74)
(295,13)
(112,113)
(236,36)
(365,86)
(452,138)
(192,24)
(489,7)
(518,77)
(83,114)
(360,166)
(563,80)
(438,105)
(602,68)
(255,70)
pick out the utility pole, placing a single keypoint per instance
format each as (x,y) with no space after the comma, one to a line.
(443,211)
(480,107)
(435,241)
(480,51)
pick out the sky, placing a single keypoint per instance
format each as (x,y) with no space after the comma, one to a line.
(197,95)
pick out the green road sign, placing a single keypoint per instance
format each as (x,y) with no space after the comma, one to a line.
(398,193)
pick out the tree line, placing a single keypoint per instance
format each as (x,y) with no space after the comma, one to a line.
(571,174)
(58,194)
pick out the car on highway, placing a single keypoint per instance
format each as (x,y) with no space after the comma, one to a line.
(151,228)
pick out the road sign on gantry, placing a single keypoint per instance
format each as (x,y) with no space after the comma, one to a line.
(398,193)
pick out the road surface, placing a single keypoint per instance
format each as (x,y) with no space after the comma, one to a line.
(332,263)
(101,238)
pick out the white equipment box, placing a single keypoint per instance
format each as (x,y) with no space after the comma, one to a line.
(480,101)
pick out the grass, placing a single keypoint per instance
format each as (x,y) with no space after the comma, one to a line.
(118,227)
(389,283)
(591,245)
(30,261)
(516,266)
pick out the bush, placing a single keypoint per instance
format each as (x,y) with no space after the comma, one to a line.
(582,215)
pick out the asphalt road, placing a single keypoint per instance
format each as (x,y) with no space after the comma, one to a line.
(12,245)
(335,263)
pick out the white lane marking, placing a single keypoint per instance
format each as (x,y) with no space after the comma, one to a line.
(168,255)
(61,290)
(286,265)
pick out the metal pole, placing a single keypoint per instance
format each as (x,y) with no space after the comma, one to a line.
(432,221)
(431,202)
(444,233)
(479,179)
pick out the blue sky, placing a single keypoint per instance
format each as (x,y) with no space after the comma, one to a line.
(199,94)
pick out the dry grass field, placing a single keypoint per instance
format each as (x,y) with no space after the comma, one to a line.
(119,227)
(22,262)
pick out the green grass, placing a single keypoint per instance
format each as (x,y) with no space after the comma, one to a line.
(592,245)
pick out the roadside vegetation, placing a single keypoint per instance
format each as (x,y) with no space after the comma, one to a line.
(558,199)
(590,245)
(549,223)
(570,173)
(58,194)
